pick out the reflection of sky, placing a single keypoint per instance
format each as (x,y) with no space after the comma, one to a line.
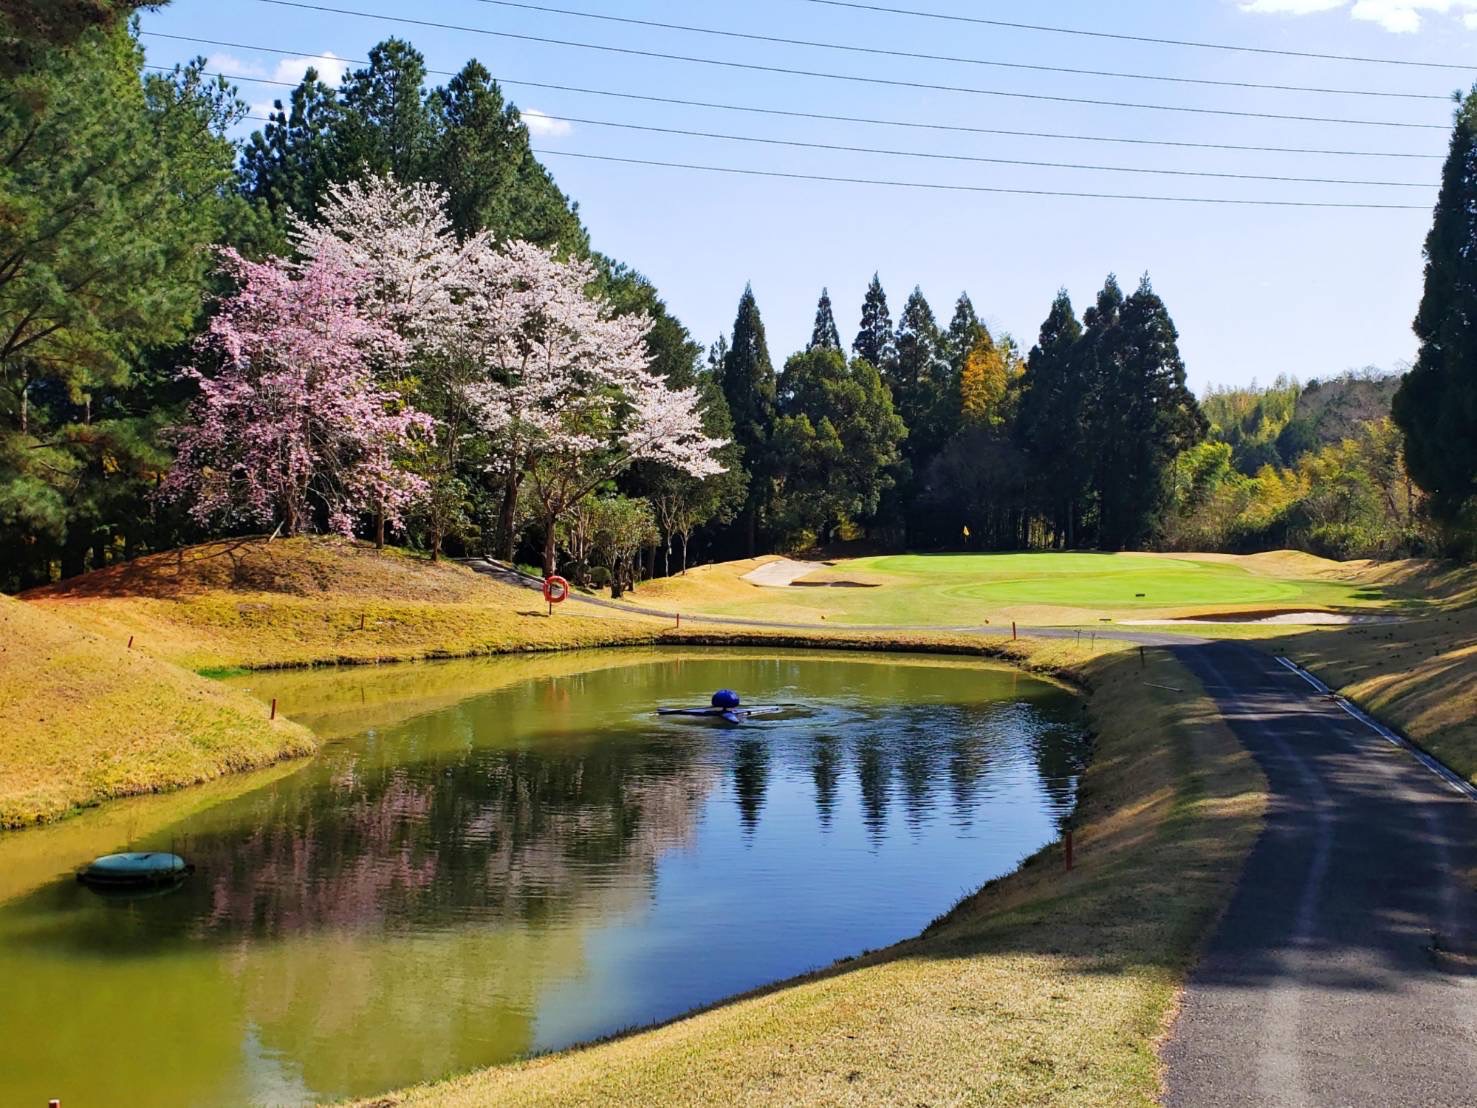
(737,910)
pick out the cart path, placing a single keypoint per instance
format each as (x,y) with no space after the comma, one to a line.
(1326,982)
(1344,971)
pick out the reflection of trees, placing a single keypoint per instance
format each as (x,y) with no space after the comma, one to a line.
(750,779)
(872,774)
(1061,754)
(825,769)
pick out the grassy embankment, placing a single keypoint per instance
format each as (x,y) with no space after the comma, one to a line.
(1419,675)
(1043,988)
(84,719)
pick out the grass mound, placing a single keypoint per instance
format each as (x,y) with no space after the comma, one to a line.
(83,719)
(310,601)
(1046,987)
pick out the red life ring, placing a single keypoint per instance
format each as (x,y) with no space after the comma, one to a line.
(556,590)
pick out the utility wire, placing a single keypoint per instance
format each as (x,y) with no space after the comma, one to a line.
(881,52)
(978,158)
(756,68)
(952,18)
(952,128)
(934,185)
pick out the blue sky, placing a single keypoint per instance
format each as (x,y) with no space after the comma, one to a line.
(1255,291)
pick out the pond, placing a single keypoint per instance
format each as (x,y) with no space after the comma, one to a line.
(504,856)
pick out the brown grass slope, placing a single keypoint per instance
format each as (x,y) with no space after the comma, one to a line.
(83,719)
(1043,988)
(254,604)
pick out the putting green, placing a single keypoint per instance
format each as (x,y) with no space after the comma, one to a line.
(1091,580)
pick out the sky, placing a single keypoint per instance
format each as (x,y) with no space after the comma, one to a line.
(1255,291)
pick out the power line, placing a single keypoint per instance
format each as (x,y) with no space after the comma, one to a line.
(993,63)
(937,186)
(1233,48)
(888,82)
(790,113)
(931,155)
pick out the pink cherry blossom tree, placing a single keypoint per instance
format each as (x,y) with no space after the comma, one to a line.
(290,423)
(419,281)
(569,394)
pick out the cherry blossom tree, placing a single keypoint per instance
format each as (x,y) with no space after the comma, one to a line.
(418,280)
(570,396)
(292,425)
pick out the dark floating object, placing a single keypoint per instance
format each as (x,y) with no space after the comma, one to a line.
(147,870)
(725,706)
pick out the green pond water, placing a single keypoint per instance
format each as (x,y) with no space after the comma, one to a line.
(497,857)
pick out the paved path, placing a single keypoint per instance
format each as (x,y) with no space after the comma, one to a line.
(1325,983)
(1344,972)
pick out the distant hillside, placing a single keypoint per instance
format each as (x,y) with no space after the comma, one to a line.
(1336,408)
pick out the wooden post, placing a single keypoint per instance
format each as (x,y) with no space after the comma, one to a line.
(361,621)
(130,642)
(1012,631)
(1068,849)
(679,621)
(1143,661)
(274,708)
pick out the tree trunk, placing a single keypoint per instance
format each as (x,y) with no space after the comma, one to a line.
(379,527)
(684,555)
(506,517)
(551,548)
(435,543)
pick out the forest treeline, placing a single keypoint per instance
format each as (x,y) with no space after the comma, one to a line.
(142,244)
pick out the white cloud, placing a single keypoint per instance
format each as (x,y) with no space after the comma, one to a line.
(329,65)
(543,125)
(1401,17)
(230,64)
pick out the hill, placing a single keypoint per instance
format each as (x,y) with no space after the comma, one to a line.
(83,719)
(253,603)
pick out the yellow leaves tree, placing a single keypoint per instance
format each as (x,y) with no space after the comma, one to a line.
(987,382)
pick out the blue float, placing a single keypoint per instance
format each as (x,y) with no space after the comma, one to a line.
(727,706)
(134,870)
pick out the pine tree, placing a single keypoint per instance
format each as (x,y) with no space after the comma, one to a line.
(919,376)
(874,340)
(386,126)
(749,387)
(824,336)
(1436,406)
(289,165)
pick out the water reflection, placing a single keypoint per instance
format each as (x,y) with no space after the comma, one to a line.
(499,857)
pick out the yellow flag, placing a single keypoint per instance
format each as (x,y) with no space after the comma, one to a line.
(966,532)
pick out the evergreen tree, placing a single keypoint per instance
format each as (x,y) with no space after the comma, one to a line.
(874,340)
(1436,406)
(1050,427)
(1145,411)
(33,30)
(749,387)
(114,186)
(386,128)
(824,336)
(835,444)
(288,166)
(493,181)
(918,373)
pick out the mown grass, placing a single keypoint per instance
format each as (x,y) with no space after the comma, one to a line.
(1043,988)
(1031,589)
(84,719)
(251,604)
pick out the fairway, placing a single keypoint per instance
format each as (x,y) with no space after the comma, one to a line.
(1042,589)
(1084,580)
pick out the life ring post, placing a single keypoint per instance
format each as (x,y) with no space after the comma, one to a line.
(556,591)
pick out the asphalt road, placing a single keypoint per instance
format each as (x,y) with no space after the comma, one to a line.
(1344,971)
(1332,978)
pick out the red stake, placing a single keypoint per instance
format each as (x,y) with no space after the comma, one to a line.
(274,708)
(130,642)
(679,621)
(1012,630)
